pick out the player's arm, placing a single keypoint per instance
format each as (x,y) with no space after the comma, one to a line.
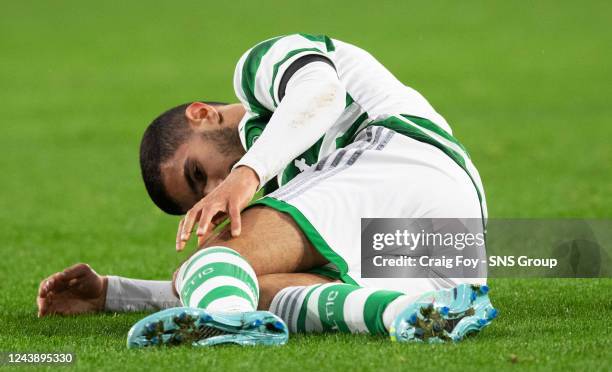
(310,102)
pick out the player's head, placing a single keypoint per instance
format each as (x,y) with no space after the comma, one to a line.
(187,151)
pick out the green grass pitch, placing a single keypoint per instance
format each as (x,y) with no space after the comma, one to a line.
(526,88)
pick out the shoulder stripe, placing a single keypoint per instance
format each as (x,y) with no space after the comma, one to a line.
(282,61)
(259,71)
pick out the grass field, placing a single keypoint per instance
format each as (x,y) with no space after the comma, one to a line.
(526,88)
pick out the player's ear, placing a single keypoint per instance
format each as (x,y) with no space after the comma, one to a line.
(199,113)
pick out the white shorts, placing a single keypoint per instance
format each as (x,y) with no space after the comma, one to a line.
(383,174)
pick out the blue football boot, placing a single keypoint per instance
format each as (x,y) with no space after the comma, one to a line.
(198,327)
(445,315)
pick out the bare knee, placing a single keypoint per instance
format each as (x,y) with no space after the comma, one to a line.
(271,242)
(260,224)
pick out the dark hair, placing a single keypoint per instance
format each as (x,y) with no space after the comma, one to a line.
(159,142)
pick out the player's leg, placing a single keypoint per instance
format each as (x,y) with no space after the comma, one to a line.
(348,308)
(227,316)
(271,242)
(220,291)
(332,307)
(219,288)
(382,174)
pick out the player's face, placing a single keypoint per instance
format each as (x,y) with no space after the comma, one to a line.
(196,169)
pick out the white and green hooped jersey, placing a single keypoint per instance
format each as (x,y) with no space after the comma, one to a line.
(374,97)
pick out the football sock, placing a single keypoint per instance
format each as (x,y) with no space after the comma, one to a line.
(339,307)
(124,294)
(218,279)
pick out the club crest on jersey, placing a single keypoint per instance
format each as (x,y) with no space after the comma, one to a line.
(301,164)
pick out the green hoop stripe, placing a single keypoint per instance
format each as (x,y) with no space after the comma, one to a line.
(311,233)
(249,70)
(204,252)
(301,321)
(224,291)
(213,270)
(333,308)
(373,310)
(278,64)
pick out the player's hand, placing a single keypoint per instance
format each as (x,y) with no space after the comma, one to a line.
(229,198)
(76,290)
